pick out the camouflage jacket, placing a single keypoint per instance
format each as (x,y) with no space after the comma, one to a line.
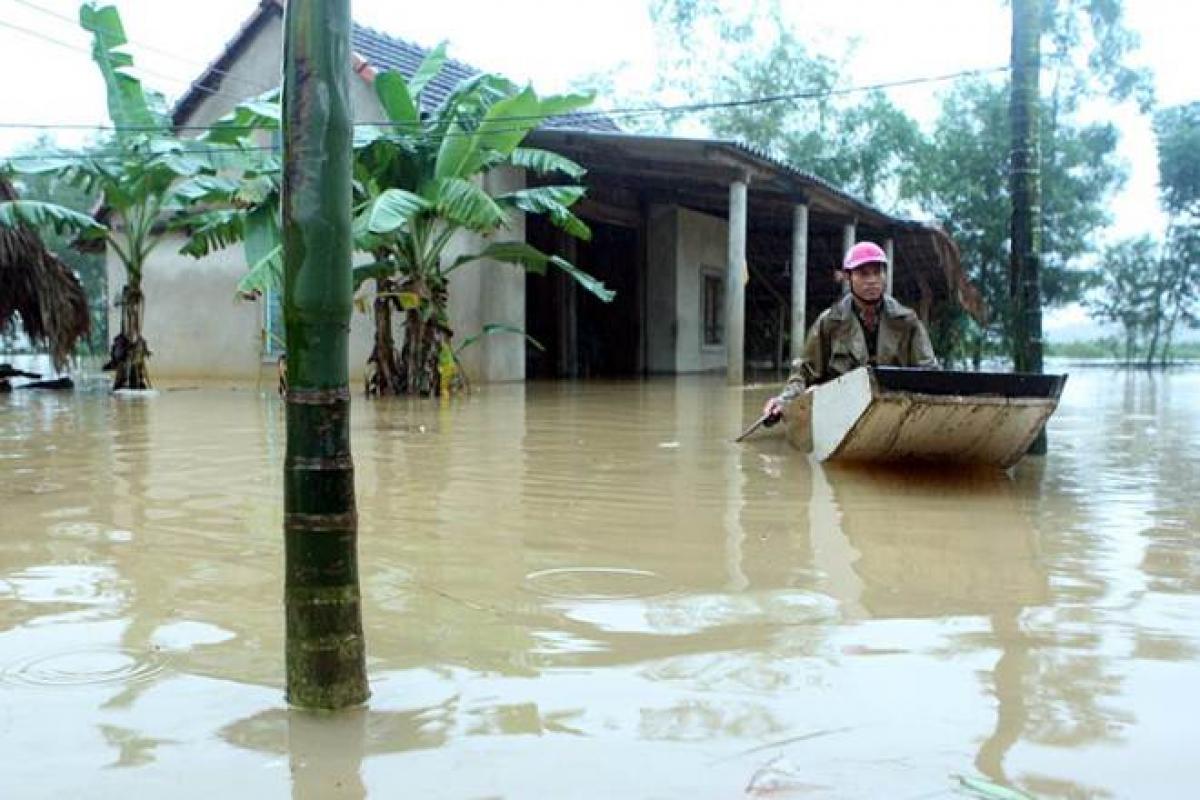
(837,344)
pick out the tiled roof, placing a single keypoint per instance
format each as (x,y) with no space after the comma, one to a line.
(381,52)
(384,52)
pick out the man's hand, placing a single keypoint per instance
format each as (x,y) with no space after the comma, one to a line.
(773,407)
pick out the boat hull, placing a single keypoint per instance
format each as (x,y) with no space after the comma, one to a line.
(894,414)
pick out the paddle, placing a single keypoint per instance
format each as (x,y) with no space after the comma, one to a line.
(765,421)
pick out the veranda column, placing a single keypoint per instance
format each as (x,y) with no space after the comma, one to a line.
(799,277)
(735,284)
(849,237)
(889,248)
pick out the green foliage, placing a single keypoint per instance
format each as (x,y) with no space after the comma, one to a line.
(1089,50)
(860,144)
(1178,133)
(128,107)
(145,179)
(957,174)
(1129,291)
(960,176)
(419,179)
(144,182)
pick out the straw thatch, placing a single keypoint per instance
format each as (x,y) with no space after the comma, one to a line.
(40,290)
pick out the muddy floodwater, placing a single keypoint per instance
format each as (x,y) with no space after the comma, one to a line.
(588,591)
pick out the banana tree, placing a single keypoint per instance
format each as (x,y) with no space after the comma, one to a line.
(137,176)
(420,181)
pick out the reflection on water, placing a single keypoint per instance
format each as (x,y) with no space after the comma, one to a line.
(578,590)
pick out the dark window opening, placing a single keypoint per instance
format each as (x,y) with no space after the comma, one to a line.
(714,309)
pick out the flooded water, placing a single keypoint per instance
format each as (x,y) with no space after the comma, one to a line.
(589,591)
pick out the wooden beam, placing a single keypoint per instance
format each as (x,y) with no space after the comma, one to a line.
(607,213)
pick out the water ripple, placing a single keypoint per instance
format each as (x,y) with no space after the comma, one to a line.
(596,583)
(90,666)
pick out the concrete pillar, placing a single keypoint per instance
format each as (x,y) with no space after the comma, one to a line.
(889,247)
(735,285)
(799,278)
(849,237)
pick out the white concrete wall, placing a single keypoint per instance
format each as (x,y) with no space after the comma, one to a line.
(702,248)
(502,294)
(196,325)
(684,244)
(196,328)
(192,322)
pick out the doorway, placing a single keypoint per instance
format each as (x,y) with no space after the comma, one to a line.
(582,336)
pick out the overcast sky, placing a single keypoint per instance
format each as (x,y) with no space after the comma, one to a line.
(49,77)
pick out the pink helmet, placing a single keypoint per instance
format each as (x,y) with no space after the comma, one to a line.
(864,253)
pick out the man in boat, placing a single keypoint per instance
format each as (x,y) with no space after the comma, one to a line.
(865,327)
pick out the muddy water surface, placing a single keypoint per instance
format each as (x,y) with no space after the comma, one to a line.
(588,591)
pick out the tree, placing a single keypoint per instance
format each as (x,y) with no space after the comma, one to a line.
(1177,284)
(1126,295)
(138,181)
(861,145)
(326,653)
(959,176)
(424,181)
(420,181)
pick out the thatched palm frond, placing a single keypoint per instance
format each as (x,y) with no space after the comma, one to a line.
(39,289)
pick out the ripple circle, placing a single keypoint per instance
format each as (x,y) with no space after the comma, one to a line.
(86,667)
(596,583)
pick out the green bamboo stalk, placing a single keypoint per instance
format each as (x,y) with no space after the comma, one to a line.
(326,653)
(1025,259)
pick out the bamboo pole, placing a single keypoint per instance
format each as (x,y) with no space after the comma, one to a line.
(326,653)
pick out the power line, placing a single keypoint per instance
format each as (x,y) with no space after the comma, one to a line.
(75,48)
(599,114)
(150,48)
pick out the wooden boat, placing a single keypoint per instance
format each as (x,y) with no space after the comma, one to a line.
(901,414)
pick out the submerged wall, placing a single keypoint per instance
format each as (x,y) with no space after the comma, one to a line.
(684,246)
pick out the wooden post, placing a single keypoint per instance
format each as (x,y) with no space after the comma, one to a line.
(568,319)
(889,247)
(735,284)
(799,278)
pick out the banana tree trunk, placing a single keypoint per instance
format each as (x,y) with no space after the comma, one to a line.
(326,652)
(129,353)
(1026,189)
(383,370)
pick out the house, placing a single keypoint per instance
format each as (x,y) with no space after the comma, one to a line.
(718,253)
